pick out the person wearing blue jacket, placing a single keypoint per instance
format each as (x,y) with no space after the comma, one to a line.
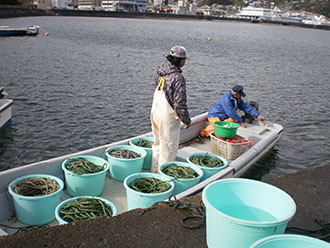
(225,110)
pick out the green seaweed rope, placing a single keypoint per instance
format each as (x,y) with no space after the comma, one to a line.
(177,171)
(81,166)
(149,185)
(84,208)
(36,186)
(124,153)
(144,143)
(206,161)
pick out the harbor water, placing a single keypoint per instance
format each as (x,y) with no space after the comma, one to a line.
(90,83)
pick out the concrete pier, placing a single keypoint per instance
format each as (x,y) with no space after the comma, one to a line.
(160,225)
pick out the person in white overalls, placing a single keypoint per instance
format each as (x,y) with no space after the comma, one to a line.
(169,108)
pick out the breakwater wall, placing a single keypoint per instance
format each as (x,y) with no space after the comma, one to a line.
(12,12)
(24,12)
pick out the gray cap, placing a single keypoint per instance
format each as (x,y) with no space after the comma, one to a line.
(179,52)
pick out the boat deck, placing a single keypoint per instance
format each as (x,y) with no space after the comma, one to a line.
(115,191)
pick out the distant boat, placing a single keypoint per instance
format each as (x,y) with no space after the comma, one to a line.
(8,31)
(5,109)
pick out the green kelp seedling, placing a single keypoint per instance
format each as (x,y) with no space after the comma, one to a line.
(149,185)
(206,161)
(84,208)
(81,166)
(124,153)
(36,186)
(177,171)
(144,143)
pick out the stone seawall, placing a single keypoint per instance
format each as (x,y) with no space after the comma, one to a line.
(123,14)
(22,12)
(12,12)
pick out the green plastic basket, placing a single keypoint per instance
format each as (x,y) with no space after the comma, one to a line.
(225,129)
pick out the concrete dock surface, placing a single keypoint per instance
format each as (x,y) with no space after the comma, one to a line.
(160,225)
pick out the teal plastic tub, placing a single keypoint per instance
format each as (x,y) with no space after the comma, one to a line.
(225,129)
(241,211)
(86,184)
(36,210)
(120,168)
(136,199)
(63,203)
(182,184)
(208,171)
(290,241)
(148,159)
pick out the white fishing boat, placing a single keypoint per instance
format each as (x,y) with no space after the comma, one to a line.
(264,136)
(5,109)
(11,31)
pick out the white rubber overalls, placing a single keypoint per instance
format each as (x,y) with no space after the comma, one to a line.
(165,129)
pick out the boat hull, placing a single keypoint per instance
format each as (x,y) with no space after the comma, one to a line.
(114,191)
(5,112)
(7,31)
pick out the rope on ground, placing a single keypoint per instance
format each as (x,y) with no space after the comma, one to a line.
(198,209)
(321,233)
(25,228)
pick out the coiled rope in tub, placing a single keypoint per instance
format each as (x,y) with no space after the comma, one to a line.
(81,166)
(36,186)
(206,161)
(84,208)
(177,171)
(124,153)
(149,185)
(144,143)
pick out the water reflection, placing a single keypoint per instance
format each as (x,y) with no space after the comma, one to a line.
(263,166)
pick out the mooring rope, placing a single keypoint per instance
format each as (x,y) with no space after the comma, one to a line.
(25,228)
(199,209)
(321,233)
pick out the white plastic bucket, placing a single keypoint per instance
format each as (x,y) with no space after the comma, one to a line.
(290,241)
(36,210)
(120,168)
(137,199)
(86,184)
(148,159)
(242,211)
(182,184)
(208,171)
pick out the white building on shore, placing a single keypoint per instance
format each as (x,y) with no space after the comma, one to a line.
(255,12)
(125,5)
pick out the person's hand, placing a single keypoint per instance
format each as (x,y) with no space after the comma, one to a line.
(261,118)
(186,126)
(242,124)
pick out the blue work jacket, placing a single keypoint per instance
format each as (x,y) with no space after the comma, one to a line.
(227,105)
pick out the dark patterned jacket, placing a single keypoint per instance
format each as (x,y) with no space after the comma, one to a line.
(175,89)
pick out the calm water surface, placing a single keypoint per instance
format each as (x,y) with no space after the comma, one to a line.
(90,83)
